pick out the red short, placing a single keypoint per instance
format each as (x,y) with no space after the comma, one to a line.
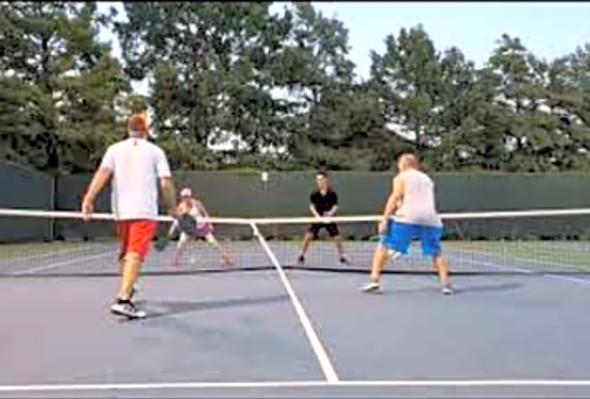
(136,236)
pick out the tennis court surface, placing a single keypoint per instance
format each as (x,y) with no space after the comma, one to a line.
(268,327)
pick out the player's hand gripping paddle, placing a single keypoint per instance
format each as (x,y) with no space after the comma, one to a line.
(186,224)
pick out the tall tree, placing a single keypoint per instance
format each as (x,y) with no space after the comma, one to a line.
(408,77)
(537,135)
(313,68)
(208,65)
(59,86)
(471,124)
(346,131)
(313,54)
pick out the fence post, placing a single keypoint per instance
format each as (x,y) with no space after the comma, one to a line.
(53,205)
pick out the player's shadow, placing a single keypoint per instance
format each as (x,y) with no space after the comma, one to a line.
(488,287)
(170,308)
(459,288)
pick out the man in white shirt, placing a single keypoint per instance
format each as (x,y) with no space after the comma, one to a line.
(412,202)
(135,166)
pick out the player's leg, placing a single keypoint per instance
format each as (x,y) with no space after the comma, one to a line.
(225,258)
(135,288)
(310,235)
(123,234)
(395,241)
(180,248)
(430,241)
(335,234)
(132,263)
(442,267)
(137,236)
(379,259)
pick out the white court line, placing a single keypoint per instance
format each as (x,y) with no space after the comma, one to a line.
(314,340)
(60,264)
(497,266)
(467,383)
(542,262)
(521,270)
(299,384)
(567,278)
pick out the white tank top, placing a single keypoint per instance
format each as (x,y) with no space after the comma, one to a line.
(418,204)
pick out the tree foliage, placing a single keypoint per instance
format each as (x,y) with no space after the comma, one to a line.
(59,86)
(277,89)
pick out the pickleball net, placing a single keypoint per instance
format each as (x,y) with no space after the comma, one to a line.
(44,244)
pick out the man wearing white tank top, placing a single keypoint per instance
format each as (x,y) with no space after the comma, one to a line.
(413,206)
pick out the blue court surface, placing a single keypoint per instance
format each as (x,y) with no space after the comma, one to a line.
(292,333)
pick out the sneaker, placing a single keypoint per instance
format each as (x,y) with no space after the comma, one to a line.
(344,260)
(301,260)
(447,289)
(393,255)
(128,309)
(372,287)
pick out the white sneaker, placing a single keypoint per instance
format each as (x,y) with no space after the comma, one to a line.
(447,289)
(372,287)
(127,309)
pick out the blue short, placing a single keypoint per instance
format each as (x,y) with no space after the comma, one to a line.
(399,236)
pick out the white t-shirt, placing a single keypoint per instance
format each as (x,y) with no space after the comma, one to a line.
(418,203)
(137,165)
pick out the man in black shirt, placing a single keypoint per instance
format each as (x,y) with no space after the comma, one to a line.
(323,202)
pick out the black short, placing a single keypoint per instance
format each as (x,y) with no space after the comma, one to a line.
(317,227)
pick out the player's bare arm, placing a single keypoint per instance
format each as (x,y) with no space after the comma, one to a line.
(169,194)
(179,210)
(393,202)
(202,210)
(314,211)
(333,211)
(99,180)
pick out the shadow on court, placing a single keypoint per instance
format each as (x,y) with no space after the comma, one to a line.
(171,308)
(242,327)
(199,328)
(500,287)
(459,289)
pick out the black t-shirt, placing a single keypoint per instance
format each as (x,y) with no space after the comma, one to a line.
(323,203)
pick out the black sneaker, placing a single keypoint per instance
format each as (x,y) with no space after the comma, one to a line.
(344,260)
(126,308)
(301,260)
